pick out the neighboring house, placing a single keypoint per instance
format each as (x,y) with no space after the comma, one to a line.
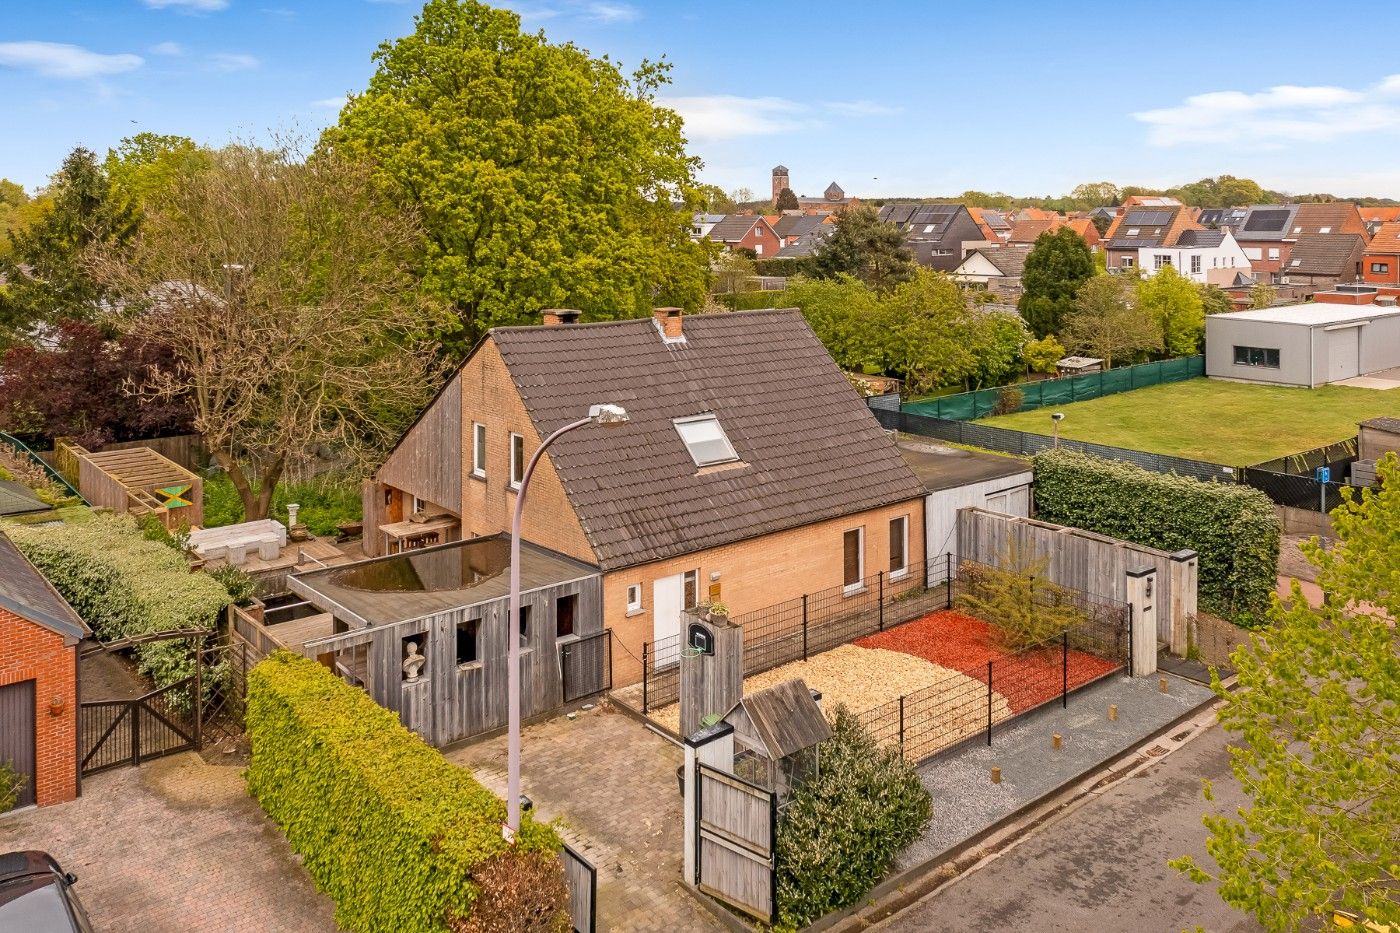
(792,226)
(1381,263)
(1205,256)
(1303,345)
(39,636)
(746,231)
(1026,232)
(935,233)
(1319,260)
(702,224)
(994,224)
(1140,228)
(998,269)
(808,244)
(750,471)
(1264,235)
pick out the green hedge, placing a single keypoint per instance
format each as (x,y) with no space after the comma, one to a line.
(1232,528)
(124,585)
(842,830)
(388,828)
(786,265)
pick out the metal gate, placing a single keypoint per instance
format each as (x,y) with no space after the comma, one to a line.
(114,733)
(735,842)
(586,665)
(582,880)
(17,736)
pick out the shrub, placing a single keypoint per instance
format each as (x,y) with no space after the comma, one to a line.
(841,830)
(1018,599)
(399,838)
(124,585)
(1009,401)
(520,892)
(326,501)
(11,785)
(1232,528)
(238,582)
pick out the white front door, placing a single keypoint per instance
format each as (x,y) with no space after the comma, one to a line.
(667,597)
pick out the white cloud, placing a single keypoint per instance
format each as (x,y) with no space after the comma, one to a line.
(190,6)
(1281,114)
(861,108)
(232,61)
(723,116)
(329,103)
(58,60)
(167,48)
(611,12)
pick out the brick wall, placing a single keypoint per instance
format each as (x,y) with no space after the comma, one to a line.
(32,652)
(755,573)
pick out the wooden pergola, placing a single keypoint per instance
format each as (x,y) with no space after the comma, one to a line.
(139,481)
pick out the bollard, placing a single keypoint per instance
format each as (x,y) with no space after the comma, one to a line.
(1162,684)
(1057,741)
(996,775)
(1112,712)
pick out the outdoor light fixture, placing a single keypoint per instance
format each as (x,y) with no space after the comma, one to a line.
(607,415)
(1055,420)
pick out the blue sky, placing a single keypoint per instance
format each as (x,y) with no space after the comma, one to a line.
(888,98)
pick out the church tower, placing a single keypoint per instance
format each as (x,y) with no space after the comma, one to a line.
(780,181)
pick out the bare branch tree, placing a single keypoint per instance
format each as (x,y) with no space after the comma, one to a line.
(285,287)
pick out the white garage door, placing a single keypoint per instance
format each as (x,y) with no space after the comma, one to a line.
(1343,354)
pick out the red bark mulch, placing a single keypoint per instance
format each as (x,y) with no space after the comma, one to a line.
(957,641)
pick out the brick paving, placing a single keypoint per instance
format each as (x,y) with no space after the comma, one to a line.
(175,846)
(612,783)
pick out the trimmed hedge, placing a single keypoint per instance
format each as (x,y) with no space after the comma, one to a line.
(1232,528)
(388,828)
(123,585)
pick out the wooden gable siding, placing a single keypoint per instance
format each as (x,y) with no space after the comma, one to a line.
(427,462)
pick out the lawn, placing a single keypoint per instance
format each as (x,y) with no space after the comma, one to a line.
(1233,423)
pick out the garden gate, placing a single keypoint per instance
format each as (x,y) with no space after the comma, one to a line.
(582,880)
(127,732)
(736,842)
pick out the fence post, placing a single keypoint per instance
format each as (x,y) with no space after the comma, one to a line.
(882,601)
(901,724)
(989,704)
(198,694)
(1064,669)
(136,732)
(644,678)
(1130,640)
(948,577)
(804,626)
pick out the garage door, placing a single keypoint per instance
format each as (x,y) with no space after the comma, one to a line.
(1343,354)
(17,734)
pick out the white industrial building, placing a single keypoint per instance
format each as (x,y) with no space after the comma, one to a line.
(1303,345)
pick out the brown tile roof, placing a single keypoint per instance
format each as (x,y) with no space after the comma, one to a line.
(1325,254)
(1009,260)
(1379,214)
(1026,231)
(809,449)
(1387,239)
(25,592)
(734,227)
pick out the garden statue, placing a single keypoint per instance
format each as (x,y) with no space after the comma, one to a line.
(413,664)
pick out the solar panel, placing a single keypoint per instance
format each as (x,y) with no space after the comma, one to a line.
(1266,220)
(1148,218)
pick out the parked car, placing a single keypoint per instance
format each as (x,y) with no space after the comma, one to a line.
(36,896)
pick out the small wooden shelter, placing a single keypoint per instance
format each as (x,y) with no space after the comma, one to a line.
(136,480)
(777,731)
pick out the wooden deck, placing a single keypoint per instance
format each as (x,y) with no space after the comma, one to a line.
(297,632)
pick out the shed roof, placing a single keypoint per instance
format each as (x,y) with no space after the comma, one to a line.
(27,593)
(1312,314)
(786,718)
(1383,424)
(18,499)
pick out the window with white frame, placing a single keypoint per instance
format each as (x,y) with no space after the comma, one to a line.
(1253,252)
(1159,260)
(899,547)
(1273,252)
(758,249)
(690,589)
(853,558)
(1380,267)
(1195,263)
(1324,229)
(517,460)
(478,450)
(1126,262)
(1134,231)
(634,598)
(705,440)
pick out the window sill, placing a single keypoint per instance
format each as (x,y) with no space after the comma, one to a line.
(634,611)
(853,590)
(899,574)
(475,475)
(469,666)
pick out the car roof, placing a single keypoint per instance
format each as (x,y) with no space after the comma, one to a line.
(27,862)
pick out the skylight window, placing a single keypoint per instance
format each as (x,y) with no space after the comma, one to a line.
(705,440)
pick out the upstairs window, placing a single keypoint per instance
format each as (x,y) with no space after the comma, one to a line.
(517,460)
(705,440)
(1195,263)
(1380,267)
(478,450)
(1324,229)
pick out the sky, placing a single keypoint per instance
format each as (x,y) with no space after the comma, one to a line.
(887,98)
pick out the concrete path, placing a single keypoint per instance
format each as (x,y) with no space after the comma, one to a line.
(1102,865)
(175,846)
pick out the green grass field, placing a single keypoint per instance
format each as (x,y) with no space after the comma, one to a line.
(1233,423)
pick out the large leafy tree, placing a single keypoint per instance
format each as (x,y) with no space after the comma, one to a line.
(285,291)
(866,247)
(929,331)
(13,200)
(145,167)
(544,177)
(1056,266)
(846,317)
(1107,321)
(1316,713)
(1174,302)
(1215,300)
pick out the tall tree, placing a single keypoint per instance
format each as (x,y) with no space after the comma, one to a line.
(1055,267)
(1098,194)
(1262,296)
(544,177)
(926,324)
(866,247)
(1316,719)
(787,201)
(285,291)
(13,198)
(997,338)
(48,276)
(1173,301)
(1214,299)
(146,166)
(1107,323)
(846,317)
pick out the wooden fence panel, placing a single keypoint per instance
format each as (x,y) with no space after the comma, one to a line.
(582,880)
(735,825)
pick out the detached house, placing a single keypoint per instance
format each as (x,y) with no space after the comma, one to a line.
(749,471)
(746,231)
(1381,263)
(1205,256)
(997,269)
(1317,260)
(1139,228)
(934,232)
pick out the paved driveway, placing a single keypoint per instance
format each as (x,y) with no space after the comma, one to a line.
(175,846)
(1103,866)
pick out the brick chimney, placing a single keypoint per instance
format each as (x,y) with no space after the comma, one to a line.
(553,317)
(669,320)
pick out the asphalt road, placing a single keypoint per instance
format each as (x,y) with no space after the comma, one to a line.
(1103,866)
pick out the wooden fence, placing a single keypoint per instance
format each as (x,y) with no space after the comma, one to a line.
(582,880)
(735,842)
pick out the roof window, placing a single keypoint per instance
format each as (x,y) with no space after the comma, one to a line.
(705,440)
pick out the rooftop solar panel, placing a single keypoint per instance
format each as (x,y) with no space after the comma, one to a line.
(1148,218)
(1266,220)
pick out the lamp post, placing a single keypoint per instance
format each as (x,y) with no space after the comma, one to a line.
(1055,420)
(597,414)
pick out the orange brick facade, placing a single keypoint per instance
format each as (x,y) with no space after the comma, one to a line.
(31,652)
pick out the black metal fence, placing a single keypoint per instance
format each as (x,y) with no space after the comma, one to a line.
(586,665)
(112,733)
(1299,492)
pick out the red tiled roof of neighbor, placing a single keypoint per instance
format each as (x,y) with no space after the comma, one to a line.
(1387,238)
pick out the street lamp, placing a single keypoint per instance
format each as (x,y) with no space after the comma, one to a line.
(1055,420)
(607,415)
